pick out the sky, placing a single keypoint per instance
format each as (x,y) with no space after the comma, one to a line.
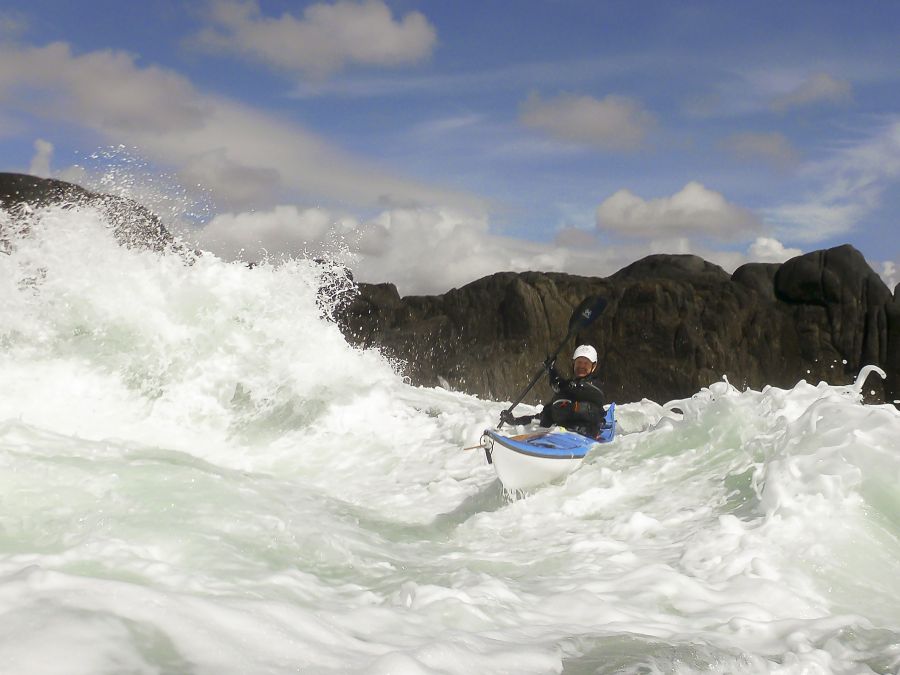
(432,143)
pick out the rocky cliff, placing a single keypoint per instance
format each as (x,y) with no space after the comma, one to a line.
(674,324)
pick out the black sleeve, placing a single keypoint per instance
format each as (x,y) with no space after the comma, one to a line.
(546,418)
(584,391)
(587,413)
(557,381)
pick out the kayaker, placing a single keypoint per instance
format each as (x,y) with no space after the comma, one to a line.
(577,404)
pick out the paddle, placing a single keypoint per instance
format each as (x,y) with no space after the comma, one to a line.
(583,316)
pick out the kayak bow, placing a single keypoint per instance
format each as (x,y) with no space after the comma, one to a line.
(532,459)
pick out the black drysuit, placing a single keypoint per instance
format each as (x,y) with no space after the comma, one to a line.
(577,405)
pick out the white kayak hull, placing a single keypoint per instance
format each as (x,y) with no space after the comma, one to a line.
(518,471)
(528,460)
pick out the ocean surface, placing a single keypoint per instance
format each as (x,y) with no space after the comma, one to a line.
(199,475)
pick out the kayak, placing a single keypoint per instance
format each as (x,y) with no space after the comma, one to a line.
(528,460)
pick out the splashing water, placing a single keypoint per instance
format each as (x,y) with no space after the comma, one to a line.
(122,171)
(199,475)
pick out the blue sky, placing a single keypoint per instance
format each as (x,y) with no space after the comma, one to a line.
(440,141)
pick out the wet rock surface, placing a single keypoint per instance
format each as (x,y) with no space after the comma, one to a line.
(133,224)
(674,324)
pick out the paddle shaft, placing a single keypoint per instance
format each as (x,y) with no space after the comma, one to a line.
(580,319)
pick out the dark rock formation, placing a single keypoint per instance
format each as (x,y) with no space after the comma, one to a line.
(839,303)
(132,223)
(674,324)
(892,364)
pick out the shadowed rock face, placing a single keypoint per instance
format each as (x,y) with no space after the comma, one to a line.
(132,223)
(892,364)
(674,324)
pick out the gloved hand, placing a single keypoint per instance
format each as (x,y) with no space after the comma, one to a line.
(550,363)
(557,381)
(508,418)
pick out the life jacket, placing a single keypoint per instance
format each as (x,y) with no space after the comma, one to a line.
(577,405)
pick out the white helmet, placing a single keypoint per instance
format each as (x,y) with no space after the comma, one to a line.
(586,351)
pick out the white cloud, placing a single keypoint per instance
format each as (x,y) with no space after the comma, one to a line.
(511,77)
(101,90)
(772,88)
(431,250)
(245,157)
(611,123)
(40,163)
(287,230)
(420,250)
(771,147)
(327,38)
(693,211)
(423,250)
(447,125)
(816,88)
(890,273)
(852,182)
(815,221)
(766,249)
(872,159)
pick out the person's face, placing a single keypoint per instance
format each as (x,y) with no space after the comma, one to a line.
(582,366)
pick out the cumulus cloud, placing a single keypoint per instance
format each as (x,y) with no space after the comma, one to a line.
(431,250)
(612,123)
(766,249)
(40,163)
(772,147)
(288,230)
(693,211)
(421,250)
(102,89)
(816,88)
(243,156)
(325,39)
(890,273)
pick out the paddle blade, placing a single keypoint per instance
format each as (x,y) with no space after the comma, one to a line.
(586,312)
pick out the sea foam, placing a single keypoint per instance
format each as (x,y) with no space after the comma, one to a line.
(200,475)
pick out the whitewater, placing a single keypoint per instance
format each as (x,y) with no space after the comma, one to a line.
(199,475)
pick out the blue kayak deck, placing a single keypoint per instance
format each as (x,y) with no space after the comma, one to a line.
(550,444)
(556,443)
